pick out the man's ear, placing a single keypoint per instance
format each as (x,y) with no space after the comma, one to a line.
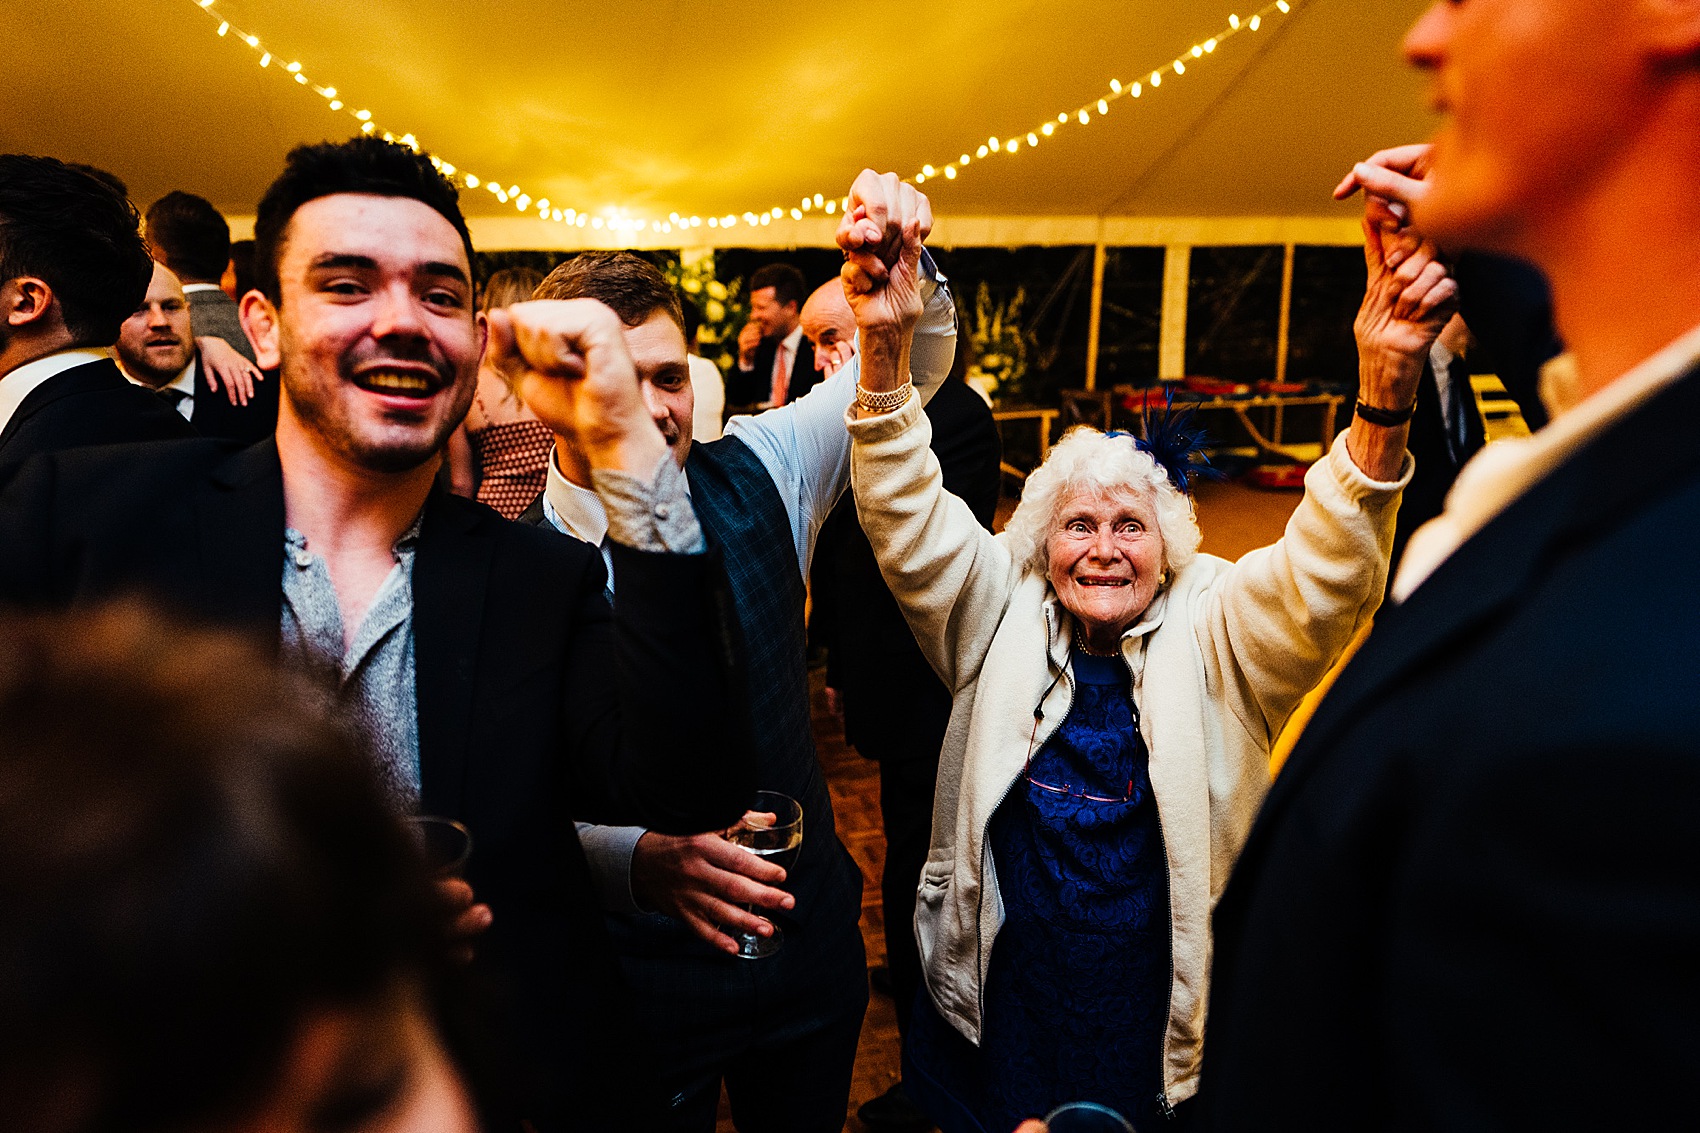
(27,301)
(483,322)
(260,324)
(1672,30)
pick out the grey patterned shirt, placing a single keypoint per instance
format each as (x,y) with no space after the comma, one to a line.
(371,683)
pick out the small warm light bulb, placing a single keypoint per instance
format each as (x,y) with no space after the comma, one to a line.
(808,204)
(1116,85)
(696,222)
(950,173)
(920,178)
(1048,129)
(471,181)
(928,170)
(294,68)
(329,92)
(266,59)
(766,219)
(997,146)
(302,79)
(819,201)
(223,27)
(1209,45)
(1103,107)
(596,222)
(1012,145)
(253,40)
(1197,51)
(796,214)
(831,207)
(963,160)
(714,222)
(1283,5)
(778,212)
(1062,119)
(543,204)
(555,215)
(571,215)
(1136,90)
(1180,68)
(1085,118)
(1032,138)
(1234,22)
(1156,78)
(205,3)
(367,127)
(502,196)
(981,152)
(336,104)
(363,115)
(1256,21)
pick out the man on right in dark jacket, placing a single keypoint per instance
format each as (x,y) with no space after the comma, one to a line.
(72,268)
(1472,898)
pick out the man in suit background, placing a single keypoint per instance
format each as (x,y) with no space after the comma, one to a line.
(776,362)
(895,708)
(1474,890)
(73,267)
(475,658)
(780,1031)
(1446,431)
(156,349)
(192,238)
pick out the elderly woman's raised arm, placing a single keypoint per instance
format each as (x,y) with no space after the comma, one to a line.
(1281,616)
(935,557)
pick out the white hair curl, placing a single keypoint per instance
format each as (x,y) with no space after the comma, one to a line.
(1088,460)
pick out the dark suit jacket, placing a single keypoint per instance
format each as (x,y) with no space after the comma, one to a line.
(752,386)
(216,314)
(1508,307)
(893,701)
(1473,895)
(91,404)
(535,703)
(214,416)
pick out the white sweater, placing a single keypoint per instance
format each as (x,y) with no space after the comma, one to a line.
(1219,660)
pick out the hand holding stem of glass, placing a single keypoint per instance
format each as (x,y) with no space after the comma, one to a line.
(773,829)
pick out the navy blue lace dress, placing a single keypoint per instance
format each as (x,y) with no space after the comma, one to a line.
(1077,996)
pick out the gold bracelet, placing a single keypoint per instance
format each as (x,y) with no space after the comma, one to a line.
(885,402)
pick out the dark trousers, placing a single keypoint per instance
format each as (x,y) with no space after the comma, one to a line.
(908,779)
(781,1032)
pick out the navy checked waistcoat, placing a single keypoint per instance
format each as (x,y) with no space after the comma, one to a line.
(740,509)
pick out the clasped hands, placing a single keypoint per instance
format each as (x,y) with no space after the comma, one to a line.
(1410,294)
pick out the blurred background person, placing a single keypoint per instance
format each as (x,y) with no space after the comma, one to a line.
(775,362)
(192,238)
(507,447)
(213,920)
(73,267)
(207,382)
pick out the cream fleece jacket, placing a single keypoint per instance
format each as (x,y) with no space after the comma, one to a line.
(1219,660)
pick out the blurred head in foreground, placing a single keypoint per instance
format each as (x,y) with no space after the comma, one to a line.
(212,920)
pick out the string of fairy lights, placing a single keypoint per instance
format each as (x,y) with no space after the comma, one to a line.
(619,219)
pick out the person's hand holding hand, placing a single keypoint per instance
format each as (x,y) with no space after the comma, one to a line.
(881,235)
(1394,181)
(705,881)
(567,360)
(1408,299)
(469,919)
(225,366)
(749,341)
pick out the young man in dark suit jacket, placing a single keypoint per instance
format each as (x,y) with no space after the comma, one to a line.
(192,238)
(72,268)
(1472,899)
(781,1031)
(476,658)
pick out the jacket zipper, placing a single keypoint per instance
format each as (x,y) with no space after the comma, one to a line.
(985,848)
(1163,1106)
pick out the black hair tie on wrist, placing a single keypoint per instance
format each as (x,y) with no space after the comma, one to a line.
(1375,415)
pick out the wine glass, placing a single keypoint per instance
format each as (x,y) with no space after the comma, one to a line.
(444,843)
(1086,1117)
(772,828)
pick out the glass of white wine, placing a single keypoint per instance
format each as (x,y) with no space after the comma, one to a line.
(772,829)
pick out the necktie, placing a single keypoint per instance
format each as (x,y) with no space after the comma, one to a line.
(781,376)
(173,397)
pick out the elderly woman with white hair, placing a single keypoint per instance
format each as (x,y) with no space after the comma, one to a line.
(1116,696)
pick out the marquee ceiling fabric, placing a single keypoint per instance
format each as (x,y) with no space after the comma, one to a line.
(713,109)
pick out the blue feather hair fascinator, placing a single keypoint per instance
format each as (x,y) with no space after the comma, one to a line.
(1176,441)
